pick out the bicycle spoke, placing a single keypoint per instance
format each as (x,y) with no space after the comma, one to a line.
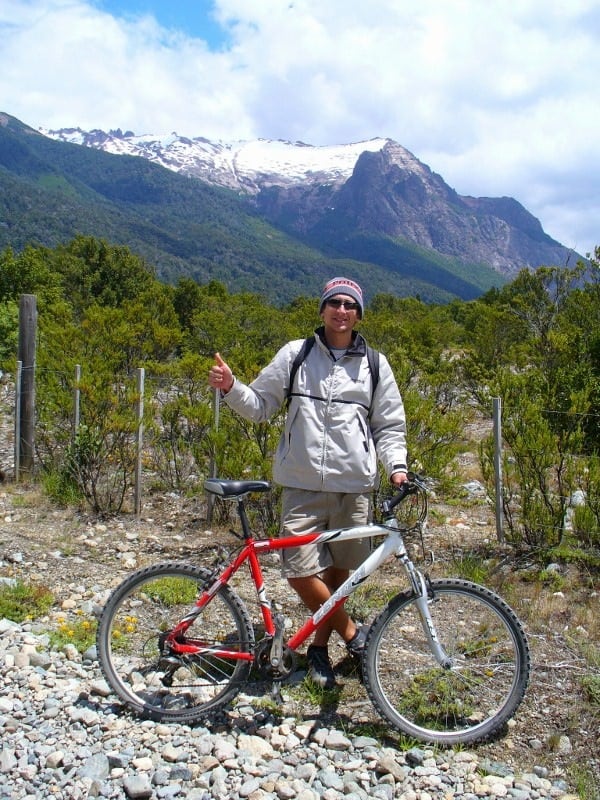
(152,678)
(483,687)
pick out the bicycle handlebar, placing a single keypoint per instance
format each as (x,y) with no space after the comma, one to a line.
(413,484)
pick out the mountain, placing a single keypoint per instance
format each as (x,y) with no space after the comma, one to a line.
(272,217)
(342,197)
(243,166)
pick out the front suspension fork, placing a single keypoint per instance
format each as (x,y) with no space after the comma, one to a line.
(423,596)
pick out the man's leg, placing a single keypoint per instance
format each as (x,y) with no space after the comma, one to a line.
(311,573)
(316,590)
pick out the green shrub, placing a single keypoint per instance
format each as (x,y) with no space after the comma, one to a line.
(368,599)
(586,783)
(591,687)
(20,601)
(552,579)
(61,487)
(471,567)
(172,591)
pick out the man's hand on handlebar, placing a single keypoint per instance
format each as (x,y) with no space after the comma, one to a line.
(398,478)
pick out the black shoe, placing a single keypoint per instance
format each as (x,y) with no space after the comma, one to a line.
(320,670)
(356,645)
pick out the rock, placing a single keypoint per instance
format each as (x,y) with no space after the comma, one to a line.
(389,766)
(336,740)
(96,767)
(415,756)
(7,760)
(137,786)
(564,745)
(55,759)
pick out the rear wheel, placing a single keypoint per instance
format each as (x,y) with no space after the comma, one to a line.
(136,661)
(477,694)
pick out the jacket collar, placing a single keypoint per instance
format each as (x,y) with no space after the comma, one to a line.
(358,345)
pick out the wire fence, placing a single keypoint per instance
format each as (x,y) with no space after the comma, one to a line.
(546,471)
(171,437)
(164,424)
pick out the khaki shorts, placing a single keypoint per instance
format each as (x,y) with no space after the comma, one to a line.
(306,512)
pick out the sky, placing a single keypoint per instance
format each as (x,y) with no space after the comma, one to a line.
(499,97)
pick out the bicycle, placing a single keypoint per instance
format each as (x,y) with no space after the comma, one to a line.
(445,661)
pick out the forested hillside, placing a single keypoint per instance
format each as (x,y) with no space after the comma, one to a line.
(51,191)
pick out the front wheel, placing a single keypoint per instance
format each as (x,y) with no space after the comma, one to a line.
(475,695)
(135,657)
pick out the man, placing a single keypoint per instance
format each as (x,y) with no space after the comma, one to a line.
(338,424)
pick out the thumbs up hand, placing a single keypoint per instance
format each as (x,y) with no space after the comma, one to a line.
(220,375)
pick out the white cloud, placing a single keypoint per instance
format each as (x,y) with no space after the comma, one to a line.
(498,98)
(67,63)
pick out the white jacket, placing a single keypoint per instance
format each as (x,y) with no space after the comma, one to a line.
(334,431)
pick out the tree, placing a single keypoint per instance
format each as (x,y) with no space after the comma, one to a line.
(92,271)
(549,399)
(27,273)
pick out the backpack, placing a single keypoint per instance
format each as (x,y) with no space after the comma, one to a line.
(372,358)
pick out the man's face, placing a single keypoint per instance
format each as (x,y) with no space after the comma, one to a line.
(340,313)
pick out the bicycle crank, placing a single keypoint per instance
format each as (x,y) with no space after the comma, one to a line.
(262,658)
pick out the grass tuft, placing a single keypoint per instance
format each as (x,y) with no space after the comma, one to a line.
(21,601)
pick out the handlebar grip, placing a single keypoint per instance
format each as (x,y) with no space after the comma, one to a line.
(413,484)
(390,505)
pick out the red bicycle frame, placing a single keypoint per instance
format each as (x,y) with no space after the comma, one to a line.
(180,645)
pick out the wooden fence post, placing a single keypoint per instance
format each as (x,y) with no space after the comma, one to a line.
(76,400)
(210,500)
(26,355)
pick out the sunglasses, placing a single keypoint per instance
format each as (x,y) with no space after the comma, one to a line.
(347,304)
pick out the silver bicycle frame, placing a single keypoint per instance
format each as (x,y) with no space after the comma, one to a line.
(393,544)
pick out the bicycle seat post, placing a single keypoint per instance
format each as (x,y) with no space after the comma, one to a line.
(243,517)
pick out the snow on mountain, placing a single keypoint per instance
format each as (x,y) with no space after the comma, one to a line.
(376,188)
(244,165)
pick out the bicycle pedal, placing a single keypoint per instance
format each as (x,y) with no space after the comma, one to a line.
(169,662)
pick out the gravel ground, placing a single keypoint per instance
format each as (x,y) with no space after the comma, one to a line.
(65,736)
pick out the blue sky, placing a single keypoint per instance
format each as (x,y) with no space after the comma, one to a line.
(193,17)
(499,98)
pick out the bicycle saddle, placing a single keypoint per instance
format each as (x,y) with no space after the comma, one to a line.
(227,488)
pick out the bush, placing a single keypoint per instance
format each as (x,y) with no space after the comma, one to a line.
(79,632)
(21,601)
(591,688)
(61,487)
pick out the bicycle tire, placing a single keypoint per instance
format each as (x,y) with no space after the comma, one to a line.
(475,697)
(152,683)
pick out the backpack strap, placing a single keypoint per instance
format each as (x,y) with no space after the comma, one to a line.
(373,359)
(307,345)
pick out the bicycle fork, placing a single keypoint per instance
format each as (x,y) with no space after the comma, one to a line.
(421,591)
